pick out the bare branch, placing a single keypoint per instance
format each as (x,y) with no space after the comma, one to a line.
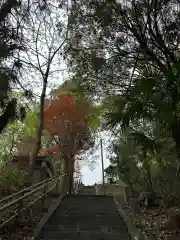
(6,9)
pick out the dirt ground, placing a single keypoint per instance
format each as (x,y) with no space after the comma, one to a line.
(23,227)
(151,224)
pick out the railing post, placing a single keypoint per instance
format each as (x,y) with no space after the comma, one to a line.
(65,183)
(57,181)
(61,184)
(20,206)
(43,198)
(58,185)
(75,186)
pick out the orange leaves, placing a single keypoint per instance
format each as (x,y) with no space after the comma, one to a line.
(69,99)
(66,118)
(51,151)
(64,113)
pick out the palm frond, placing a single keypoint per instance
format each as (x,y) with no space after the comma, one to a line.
(145,142)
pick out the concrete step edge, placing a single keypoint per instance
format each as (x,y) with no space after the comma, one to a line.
(131,228)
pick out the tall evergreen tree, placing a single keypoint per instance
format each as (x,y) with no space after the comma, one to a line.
(9,44)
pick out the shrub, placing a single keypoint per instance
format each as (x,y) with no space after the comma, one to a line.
(11,180)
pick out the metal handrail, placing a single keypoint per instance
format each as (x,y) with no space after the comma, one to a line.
(5,199)
(24,209)
(25,196)
(76,185)
(20,199)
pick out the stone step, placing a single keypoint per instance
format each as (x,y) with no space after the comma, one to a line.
(85,217)
(90,202)
(90,206)
(87,200)
(97,223)
(91,191)
(85,236)
(91,215)
(85,227)
(85,214)
(74,209)
(76,196)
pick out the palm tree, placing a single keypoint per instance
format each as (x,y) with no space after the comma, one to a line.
(147,99)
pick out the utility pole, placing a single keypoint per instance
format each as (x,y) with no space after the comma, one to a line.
(102,164)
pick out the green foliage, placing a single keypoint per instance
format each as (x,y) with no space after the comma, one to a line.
(30,123)
(118,39)
(73,87)
(131,60)
(94,116)
(142,162)
(11,180)
(9,44)
(8,139)
(14,131)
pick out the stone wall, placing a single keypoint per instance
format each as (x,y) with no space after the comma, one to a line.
(115,190)
(21,163)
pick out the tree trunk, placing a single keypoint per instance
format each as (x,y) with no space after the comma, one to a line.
(175,128)
(63,179)
(39,131)
(149,178)
(69,171)
(12,144)
(66,172)
(147,168)
(70,179)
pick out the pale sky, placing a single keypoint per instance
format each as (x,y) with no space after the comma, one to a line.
(89,176)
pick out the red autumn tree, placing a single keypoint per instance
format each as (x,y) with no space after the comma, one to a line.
(66,119)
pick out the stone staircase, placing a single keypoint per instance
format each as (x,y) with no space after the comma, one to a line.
(85,217)
(87,190)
